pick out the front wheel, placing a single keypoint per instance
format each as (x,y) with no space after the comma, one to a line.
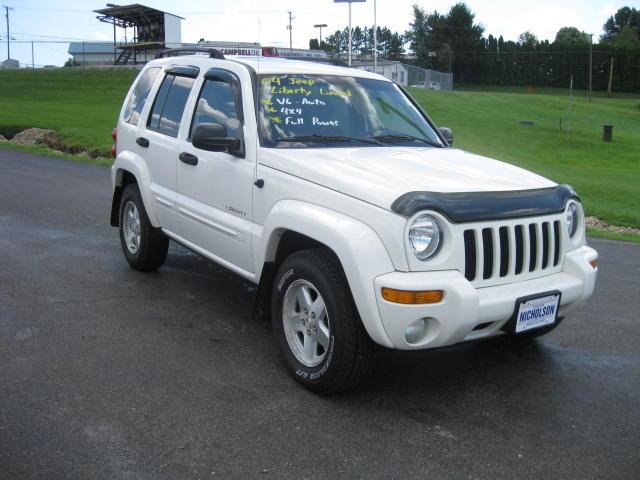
(145,247)
(316,323)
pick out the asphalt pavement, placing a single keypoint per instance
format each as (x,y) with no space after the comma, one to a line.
(108,373)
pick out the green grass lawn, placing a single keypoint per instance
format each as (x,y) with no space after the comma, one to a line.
(82,106)
(606,175)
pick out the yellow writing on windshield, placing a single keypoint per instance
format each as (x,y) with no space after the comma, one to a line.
(335,92)
(290,91)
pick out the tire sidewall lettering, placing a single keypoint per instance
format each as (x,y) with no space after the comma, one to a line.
(284,278)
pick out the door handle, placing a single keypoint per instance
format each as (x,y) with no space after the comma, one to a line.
(143,142)
(188,158)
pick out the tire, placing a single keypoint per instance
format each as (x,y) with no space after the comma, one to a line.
(147,250)
(347,356)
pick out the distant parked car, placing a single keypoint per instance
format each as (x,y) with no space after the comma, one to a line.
(428,85)
(331,189)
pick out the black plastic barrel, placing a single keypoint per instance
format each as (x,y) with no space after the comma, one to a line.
(607,132)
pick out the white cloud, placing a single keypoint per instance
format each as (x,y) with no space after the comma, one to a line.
(103,37)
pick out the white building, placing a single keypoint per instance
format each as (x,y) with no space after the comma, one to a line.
(409,75)
(93,53)
(396,71)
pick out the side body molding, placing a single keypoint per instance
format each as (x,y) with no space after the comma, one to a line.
(359,249)
(135,164)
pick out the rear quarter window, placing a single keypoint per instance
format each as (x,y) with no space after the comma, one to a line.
(139,96)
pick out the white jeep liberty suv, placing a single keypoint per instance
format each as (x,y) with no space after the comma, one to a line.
(331,189)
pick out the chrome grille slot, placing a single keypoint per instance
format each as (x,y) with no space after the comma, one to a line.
(519,249)
(533,246)
(556,237)
(545,244)
(508,251)
(487,245)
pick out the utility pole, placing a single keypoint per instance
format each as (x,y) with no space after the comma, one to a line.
(590,65)
(115,51)
(8,33)
(375,38)
(350,34)
(33,62)
(290,28)
(320,26)
(610,78)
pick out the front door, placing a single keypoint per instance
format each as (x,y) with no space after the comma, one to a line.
(215,189)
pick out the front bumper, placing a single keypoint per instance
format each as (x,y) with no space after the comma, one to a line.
(464,308)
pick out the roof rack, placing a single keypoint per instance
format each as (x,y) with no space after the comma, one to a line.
(172,52)
(331,61)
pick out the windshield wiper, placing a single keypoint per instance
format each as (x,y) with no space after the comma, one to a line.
(328,139)
(403,138)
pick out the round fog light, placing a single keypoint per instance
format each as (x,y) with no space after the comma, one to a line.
(417,331)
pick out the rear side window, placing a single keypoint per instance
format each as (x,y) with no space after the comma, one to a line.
(138,97)
(169,105)
(217,104)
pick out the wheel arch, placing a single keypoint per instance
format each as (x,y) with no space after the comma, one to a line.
(293,225)
(127,169)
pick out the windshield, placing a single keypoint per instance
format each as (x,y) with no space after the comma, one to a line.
(299,111)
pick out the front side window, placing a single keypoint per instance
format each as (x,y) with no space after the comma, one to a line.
(217,104)
(169,104)
(298,111)
(138,97)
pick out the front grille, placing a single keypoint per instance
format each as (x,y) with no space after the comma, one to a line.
(500,251)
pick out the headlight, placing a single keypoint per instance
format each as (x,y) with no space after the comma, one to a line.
(425,236)
(572,217)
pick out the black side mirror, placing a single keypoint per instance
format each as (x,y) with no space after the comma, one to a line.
(447,134)
(213,138)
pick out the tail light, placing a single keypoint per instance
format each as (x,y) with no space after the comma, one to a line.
(114,148)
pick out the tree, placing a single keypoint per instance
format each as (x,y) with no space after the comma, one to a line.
(395,46)
(615,25)
(627,39)
(428,33)
(527,38)
(390,44)
(571,36)
(417,35)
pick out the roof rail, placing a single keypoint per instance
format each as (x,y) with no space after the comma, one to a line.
(331,61)
(172,52)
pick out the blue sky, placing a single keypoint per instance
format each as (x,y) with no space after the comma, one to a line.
(250,20)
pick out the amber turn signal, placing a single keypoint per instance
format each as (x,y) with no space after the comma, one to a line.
(412,297)
(594,263)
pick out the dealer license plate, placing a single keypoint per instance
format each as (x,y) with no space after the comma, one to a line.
(537,312)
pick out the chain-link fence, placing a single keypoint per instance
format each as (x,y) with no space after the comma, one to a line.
(410,75)
(430,79)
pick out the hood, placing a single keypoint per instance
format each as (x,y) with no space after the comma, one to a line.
(379,175)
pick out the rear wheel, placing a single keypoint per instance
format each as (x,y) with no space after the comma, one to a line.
(145,247)
(316,323)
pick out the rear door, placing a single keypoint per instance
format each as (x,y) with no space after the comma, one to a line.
(157,140)
(215,188)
